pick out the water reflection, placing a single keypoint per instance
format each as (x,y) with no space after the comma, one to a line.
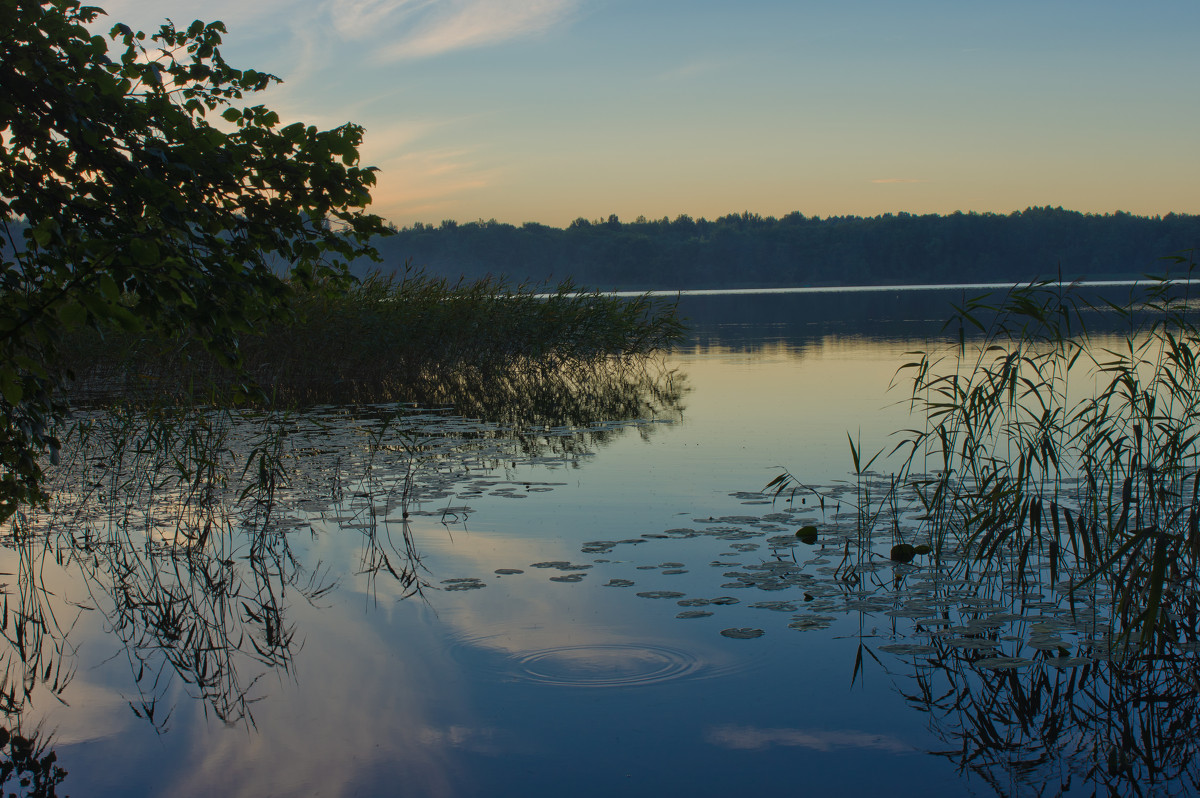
(1113,727)
(804,321)
(751,738)
(192,529)
(608,665)
(388,596)
(1021,677)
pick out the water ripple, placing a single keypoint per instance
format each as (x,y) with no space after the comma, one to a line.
(606,665)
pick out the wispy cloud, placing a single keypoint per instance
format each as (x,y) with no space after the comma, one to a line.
(236,14)
(441,26)
(360,19)
(753,738)
(899,180)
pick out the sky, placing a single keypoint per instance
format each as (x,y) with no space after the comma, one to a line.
(549,110)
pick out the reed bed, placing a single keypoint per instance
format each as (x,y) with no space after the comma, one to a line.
(181,487)
(190,523)
(389,339)
(1043,449)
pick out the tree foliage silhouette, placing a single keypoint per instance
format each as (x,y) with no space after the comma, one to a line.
(139,188)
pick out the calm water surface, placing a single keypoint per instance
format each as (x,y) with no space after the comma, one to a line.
(568,639)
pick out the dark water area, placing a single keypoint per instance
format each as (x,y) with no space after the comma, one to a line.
(418,602)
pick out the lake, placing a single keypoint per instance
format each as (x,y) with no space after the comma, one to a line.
(586,594)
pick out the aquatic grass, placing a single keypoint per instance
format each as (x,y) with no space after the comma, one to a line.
(187,522)
(1017,451)
(1048,450)
(388,339)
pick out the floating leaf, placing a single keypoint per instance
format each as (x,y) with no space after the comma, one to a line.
(742,633)
(907,649)
(1002,663)
(807,534)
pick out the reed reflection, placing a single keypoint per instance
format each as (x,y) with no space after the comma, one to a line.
(1116,727)
(192,528)
(1022,662)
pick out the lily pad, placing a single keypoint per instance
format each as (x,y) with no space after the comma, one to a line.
(1003,663)
(1067,662)
(907,649)
(776,606)
(661,594)
(742,633)
(968,643)
(808,623)
(463,584)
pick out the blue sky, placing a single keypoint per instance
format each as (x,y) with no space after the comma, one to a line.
(547,110)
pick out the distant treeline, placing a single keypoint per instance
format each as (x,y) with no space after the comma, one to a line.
(748,250)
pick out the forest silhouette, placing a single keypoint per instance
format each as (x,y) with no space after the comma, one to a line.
(749,251)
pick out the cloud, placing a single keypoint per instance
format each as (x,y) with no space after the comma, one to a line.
(393,30)
(447,25)
(899,180)
(745,738)
(236,14)
(359,19)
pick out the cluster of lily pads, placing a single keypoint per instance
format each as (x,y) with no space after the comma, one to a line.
(819,568)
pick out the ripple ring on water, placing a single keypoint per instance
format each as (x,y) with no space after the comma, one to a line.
(611,665)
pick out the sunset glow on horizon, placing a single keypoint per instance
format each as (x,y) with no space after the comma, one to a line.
(549,110)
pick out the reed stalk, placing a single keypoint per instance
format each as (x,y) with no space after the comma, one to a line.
(1047,450)
(386,339)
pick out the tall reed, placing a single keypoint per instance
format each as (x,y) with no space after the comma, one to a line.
(1091,476)
(1048,448)
(389,339)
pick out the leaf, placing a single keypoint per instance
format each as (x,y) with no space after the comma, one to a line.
(10,387)
(807,534)
(145,253)
(72,314)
